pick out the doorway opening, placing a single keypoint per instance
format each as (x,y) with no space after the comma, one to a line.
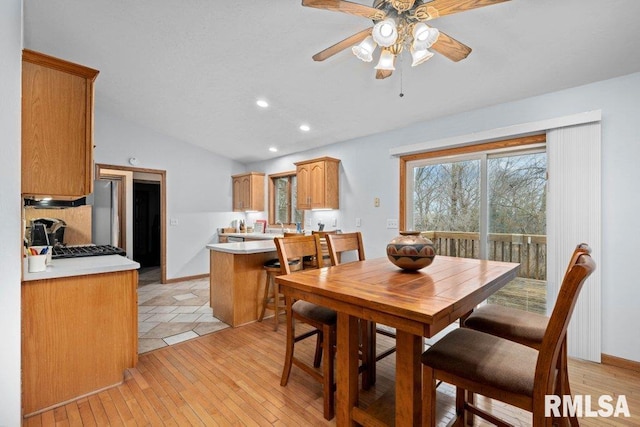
(141,216)
(146,223)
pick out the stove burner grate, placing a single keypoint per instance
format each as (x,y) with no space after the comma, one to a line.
(85,250)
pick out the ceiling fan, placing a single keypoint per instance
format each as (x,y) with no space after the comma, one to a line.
(399,25)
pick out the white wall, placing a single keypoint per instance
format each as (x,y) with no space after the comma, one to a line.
(368,171)
(198,186)
(10,210)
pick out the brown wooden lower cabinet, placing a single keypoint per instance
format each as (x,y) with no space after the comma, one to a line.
(79,335)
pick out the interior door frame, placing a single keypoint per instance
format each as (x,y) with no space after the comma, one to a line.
(163,205)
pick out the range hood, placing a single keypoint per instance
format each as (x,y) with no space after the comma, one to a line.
(50,203)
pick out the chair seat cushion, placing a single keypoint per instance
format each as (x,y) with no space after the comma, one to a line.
(510,323)
(485,359)
(316,312)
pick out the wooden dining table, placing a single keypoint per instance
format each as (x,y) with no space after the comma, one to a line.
(417,304)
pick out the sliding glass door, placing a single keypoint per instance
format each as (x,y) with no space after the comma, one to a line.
(487,205)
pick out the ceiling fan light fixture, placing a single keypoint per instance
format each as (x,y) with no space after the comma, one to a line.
(364,50)
(385,32)
(386,61)
(420,56)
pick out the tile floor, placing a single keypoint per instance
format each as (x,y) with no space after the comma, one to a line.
(172,313)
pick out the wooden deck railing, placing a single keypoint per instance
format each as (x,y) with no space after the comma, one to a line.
(530,250)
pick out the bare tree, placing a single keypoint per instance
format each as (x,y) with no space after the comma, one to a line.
(447,195)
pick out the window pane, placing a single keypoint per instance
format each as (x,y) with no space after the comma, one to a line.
(447,204)
(281,200)
(295,213)
(517,226)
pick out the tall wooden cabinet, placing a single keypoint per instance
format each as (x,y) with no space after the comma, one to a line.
(57,127)
(248,192)
(318,183)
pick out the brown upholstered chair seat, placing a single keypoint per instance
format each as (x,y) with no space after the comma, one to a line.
(501,369)
(510,323)
(315,312)
(493,361)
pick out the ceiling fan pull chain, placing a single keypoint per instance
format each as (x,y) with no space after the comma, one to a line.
(401,68)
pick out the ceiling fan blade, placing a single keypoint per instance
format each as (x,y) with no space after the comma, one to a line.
(342,45)
(347,7)
(451,48)
(437,8)
(383,74)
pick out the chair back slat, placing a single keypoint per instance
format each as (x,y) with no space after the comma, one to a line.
(346,242)
(297,247)
(559,321)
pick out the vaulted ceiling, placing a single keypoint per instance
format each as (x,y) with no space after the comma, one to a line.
(193,69)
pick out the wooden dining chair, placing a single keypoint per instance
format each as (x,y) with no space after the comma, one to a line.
(322,319)
(323,244)
(499,368)
(338,245)
(525,328)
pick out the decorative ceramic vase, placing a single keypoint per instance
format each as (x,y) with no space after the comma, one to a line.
(411,251)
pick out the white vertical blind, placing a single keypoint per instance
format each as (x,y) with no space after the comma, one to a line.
(573,217)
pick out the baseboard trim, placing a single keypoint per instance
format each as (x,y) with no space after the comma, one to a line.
(619,362)
(185,278)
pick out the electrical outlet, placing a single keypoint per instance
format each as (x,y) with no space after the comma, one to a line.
(334,222)
(173,221)
(376,202)
(358,222)
(392,223)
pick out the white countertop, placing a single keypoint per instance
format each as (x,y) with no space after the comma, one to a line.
(68,267)
(244,248)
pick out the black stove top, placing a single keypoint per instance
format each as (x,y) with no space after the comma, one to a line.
(85,250)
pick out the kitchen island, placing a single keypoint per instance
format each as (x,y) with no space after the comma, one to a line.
(79,329)
(237,279)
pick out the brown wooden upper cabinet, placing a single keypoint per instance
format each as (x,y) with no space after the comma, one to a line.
(57,127)
(248,192)
(318,183)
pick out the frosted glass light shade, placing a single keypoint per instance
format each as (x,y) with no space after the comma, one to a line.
(424,36)
(420,56)
(385,33)
(365,49)
(386,61)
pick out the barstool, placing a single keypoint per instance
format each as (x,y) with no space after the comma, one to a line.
(272,298)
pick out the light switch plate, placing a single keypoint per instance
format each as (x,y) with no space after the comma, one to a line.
(358,222)
(392,223)
(173,221)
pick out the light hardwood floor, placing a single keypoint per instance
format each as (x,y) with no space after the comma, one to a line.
(232,377)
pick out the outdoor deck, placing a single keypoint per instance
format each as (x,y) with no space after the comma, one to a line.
(524,294)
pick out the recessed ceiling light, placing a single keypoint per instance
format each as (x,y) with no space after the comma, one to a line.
(305,128)
(273,149)
(262,103)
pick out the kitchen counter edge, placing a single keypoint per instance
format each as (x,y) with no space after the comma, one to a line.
(244,248)
(70,267)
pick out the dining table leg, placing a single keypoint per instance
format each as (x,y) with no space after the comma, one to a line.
(408,379)
(347,367)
